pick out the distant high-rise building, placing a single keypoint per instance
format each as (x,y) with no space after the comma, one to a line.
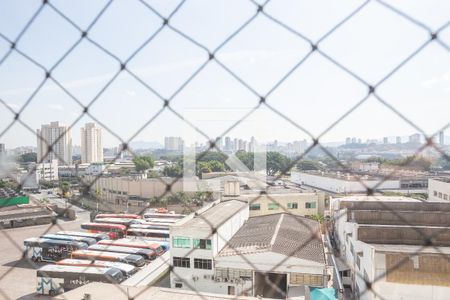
(441,138)
(173,143)
(348,140)
(91,144)
(228,146)
(219,143)
(359,141)
(415,138)
(235,144)
(354,140)
(398,140)
(57,136)
(385,140)
(2,149)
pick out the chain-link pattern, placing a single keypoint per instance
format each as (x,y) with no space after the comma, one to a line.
(260,12)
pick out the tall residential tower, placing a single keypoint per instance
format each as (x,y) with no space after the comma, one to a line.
(91,144)
(59,138)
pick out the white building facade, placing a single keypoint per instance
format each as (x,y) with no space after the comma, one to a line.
(60,138)
(198,239)
(91,144)
(439,189)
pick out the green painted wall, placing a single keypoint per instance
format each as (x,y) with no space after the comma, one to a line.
(14,201)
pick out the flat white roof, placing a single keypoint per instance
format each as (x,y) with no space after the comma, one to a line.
(376,198)
(410,249)
(99,290)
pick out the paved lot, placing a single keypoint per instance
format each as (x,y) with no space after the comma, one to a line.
(18,276)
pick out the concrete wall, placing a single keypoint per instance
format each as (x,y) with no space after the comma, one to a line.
(438,190)
(340,185)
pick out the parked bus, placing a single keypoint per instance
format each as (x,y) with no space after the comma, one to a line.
(121,216)
(164,244)
(132,259)
(136,243)
(126,269)
(152,215)
(114,231)
(88,241)
(148,225)
(162,235)
(39,249)
(56,279)
(145,253)
(122,221)
(96,236)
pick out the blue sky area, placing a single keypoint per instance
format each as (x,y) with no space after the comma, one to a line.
(371,44)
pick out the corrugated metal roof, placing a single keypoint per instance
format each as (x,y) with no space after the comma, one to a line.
(280,233)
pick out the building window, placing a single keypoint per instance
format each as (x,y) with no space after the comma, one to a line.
(205,264)
(255,206)
(435,193)
(273,206)
(445,197)
(181,242)
(178,285)
(440,195)
(182,262)
(293,205)
(202,244)
(310,205)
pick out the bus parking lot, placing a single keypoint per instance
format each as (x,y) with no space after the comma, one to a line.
(18,276)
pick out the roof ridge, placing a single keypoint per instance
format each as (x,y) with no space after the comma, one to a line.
(277,229)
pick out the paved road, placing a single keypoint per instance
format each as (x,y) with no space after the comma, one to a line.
(18,276)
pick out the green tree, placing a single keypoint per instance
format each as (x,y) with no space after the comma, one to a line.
(211,155)
(247,158)
(178,198)
(307,165)
(174,170)
(27,157)
(216,166)
(65,188)
(143,162)
(276,162)
(203,167)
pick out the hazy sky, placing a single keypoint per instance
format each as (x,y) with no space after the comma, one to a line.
(371,44)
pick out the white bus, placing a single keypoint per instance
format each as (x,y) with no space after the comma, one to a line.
(39,249)
(96,236)
(56,279)
(126,269)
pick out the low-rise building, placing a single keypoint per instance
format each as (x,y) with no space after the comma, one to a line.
(393,247)
(47,171)
(439,189)
(197,240)
(300,204)
(342,183)
(273,256)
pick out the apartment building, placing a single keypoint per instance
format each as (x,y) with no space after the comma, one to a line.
(91,144)
(399,246)
(197,240)
(59,137)
(47,171)
(439,189)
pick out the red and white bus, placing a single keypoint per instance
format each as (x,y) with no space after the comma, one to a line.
(135,243)
(153,215)
(96,236)
(162,235)
(114,231)
(133,259)
(120,216)
(148,225)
